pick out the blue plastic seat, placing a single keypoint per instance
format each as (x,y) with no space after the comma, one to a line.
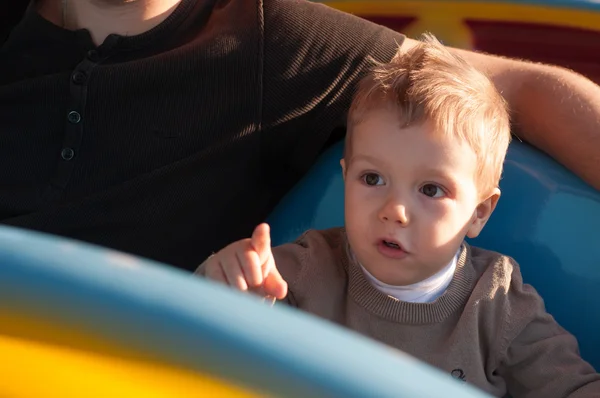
(547,219)
(141,326)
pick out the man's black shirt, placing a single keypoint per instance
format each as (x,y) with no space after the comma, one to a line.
(173,143)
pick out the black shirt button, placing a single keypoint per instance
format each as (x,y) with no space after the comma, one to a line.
(79,78)
(74,117)
(67,153)
(93,55)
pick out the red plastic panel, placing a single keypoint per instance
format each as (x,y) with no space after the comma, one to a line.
(578,49)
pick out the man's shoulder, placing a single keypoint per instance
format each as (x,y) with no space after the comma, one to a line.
(336,33)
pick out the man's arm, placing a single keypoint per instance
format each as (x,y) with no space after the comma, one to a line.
(314,56)
(554,109)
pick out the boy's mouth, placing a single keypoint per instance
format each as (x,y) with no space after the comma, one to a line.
(392,245)
(391,249)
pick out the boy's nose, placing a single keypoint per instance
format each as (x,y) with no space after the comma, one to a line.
(394,212)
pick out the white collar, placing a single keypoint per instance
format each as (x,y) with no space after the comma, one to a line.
(425,291)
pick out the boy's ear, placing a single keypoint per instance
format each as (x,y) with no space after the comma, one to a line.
(343,164)
(482,213)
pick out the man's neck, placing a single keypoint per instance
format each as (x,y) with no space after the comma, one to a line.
(104,17)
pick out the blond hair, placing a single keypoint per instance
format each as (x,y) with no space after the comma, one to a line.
(429,83)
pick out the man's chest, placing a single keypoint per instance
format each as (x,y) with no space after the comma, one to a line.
(99,125)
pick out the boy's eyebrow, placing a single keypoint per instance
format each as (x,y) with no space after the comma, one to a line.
(439,173)
(368,158)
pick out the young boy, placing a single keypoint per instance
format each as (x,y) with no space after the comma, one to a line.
(427,137)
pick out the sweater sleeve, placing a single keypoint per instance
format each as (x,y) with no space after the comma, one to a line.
(311,265)
(308,264)
(289,260)
(313,57)
(541,359)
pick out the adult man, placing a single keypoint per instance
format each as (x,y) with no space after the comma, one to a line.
(167,128)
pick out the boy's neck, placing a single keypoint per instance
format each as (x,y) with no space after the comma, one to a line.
(104,17)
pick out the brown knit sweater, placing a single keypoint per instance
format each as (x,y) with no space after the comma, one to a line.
(488,329)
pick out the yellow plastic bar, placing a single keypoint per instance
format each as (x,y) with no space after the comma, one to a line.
(39,359)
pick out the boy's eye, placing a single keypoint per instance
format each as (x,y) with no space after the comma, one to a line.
(432,191)
(372,179)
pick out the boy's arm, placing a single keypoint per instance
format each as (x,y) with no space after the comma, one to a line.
(289,260)
(291,267)
(541,359)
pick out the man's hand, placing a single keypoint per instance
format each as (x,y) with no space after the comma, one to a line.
(248,264)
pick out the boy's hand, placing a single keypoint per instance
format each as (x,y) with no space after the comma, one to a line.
(248,264)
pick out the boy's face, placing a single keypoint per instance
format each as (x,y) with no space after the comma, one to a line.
(410,198)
